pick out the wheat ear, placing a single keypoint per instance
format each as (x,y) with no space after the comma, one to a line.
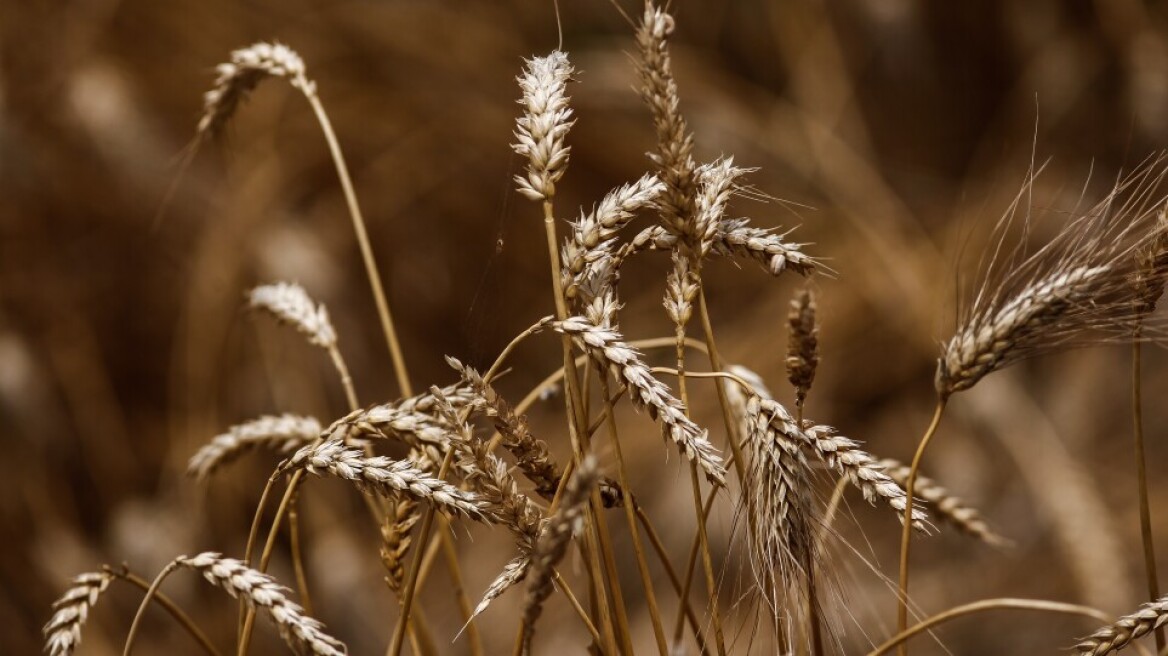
(605,345)
(63,631)
(258,590)
(802,344)
(283,434)
(946,506)
(553,544)
(1126,629)
(385,476)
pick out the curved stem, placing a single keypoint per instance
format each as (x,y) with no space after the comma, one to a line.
(663,555)
(1142,485)
(383,313)
(150,592)
(989,604)
(177,613)
(906,531)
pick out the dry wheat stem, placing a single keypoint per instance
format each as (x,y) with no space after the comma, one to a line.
(736,239)
(283,434)
(607,346)
(552,544)
(982,606)
(674,156)
(1123,631)
(1077,288)
(840,454)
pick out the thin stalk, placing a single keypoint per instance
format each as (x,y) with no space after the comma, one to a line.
(906,532)
(703,538)
(1142,484)
(577,424)
(991,604)
(297,557)
(177,613)
(150,592)
(562,586)
(410,586)
(383,313)
(663,556)
(630,516)
(833,504)
(812,606)
(346,379)
(451,554)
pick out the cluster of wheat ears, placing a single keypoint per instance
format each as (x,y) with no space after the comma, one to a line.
(472,457)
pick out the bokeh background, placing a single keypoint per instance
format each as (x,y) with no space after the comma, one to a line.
(895,131)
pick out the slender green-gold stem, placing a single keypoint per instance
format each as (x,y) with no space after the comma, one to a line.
(1142,484)
(663,556)
(371,270)
(630,516)
(298,558)
(150,592)
(991,604)
(703,539)
(177,613)
(906,531)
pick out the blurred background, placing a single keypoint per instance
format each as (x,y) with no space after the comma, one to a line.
(895,131)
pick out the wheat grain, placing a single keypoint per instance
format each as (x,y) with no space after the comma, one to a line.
(303,633)
(238,77)
(63,631)
(540,132)
(781,543)
(282,434)
(606,346)
(1126,629)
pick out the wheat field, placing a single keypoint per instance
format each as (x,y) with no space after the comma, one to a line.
(808,328)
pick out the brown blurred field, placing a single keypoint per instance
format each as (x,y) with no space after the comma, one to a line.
(896,132)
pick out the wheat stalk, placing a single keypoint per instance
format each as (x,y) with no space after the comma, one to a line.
(289,303)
